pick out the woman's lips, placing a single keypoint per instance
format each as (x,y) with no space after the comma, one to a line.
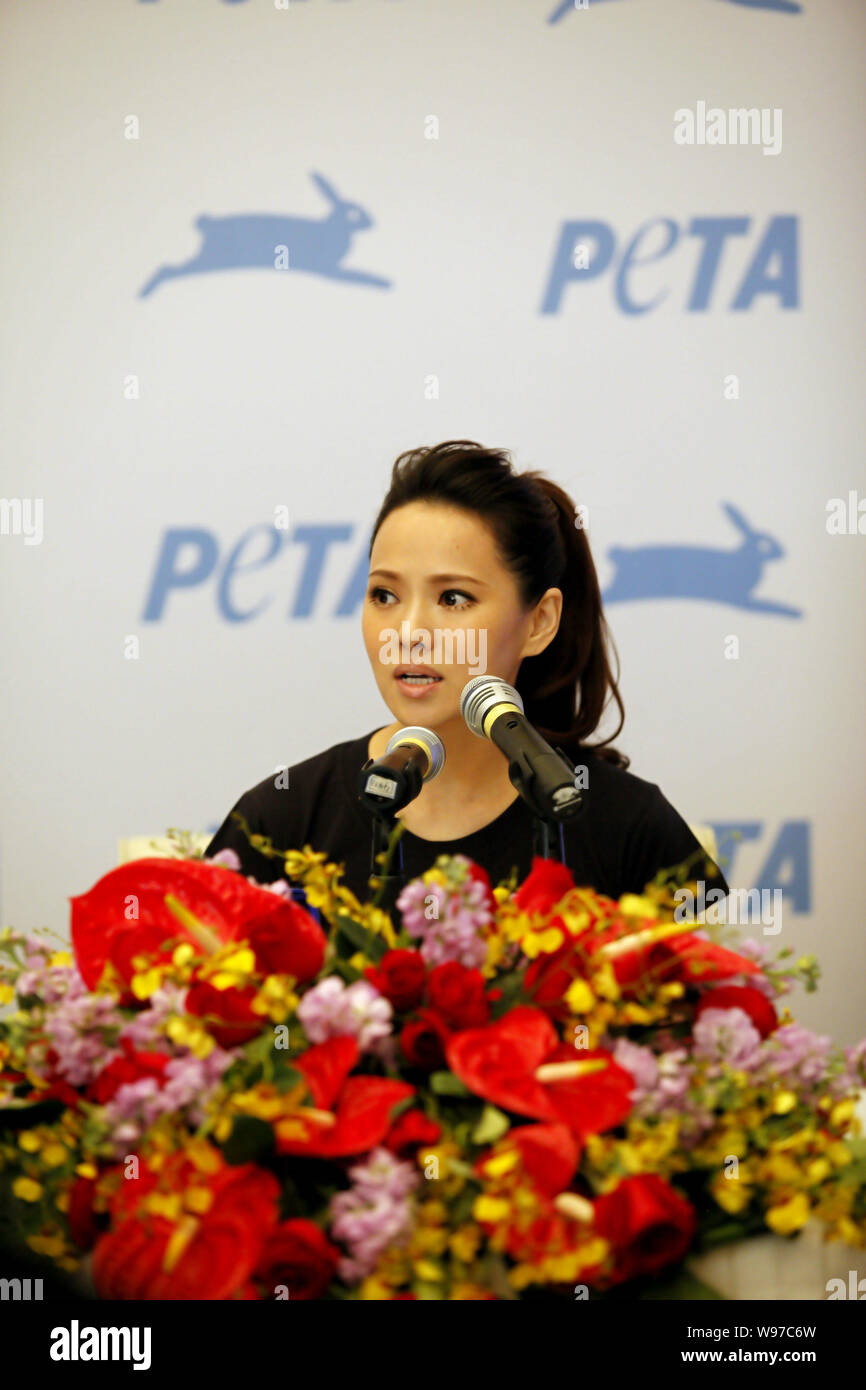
(417,688)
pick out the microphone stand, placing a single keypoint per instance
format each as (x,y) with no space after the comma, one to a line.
(543,832)
(547,822)
(383,823)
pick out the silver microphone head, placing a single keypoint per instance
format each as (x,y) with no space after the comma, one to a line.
(426,739)
(481,695)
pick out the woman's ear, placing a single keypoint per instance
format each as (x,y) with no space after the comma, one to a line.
(544,624)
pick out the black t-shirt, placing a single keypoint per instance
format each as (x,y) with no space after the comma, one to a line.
(624,834)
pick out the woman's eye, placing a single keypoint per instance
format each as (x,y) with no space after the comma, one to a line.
(460,595)
(375,596)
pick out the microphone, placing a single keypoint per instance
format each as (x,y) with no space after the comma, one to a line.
(545,779)
(414,755)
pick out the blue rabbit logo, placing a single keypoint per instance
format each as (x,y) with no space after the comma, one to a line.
(243,240)
(701,572)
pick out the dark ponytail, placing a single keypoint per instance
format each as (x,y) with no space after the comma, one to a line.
(566,688)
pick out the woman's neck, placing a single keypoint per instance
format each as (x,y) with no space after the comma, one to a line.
(475,772)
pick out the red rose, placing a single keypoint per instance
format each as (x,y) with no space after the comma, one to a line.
(299,1256)
(546,882)
(122,1071)
(648,1224)
(457,995)
(226,1013)
(423,1041)
(410,1130)
(400,976)
(745,997)
(126,914)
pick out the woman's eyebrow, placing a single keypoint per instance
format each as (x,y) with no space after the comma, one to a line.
(433,578)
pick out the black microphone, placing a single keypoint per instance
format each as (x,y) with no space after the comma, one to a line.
(545,779)
(414,755)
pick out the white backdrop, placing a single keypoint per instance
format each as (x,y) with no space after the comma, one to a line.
(202,406)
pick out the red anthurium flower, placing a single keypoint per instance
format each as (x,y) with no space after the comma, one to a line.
(745,997)
(326,1067)
(227,1013)
(125,915)
(410,1130)
(544,885)
(648,1224)
(549,1156)
(200,1255)
(351,1114)
(549,977)
(687,957)
(701,961)
(500,1061)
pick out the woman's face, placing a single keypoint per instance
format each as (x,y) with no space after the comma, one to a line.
(440,603)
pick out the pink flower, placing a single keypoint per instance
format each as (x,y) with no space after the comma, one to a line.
(333,1009)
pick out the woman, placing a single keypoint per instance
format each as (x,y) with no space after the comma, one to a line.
(465,545)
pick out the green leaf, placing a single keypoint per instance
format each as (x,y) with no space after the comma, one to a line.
(43,1112)
(492,1125)
(251,1140)
(361,938)
(445,1083)
(286,1077)
(461,1208)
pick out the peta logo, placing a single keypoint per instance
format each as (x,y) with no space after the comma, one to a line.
(785,866)
(700,571)
(76,1343)
(565,7)
(192,558)
(586,249)
(273,241)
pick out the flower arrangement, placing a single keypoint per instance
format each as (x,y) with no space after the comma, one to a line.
(228,1091)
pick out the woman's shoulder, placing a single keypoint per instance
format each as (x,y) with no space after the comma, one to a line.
(307,778)
(622,791)
(286,805)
